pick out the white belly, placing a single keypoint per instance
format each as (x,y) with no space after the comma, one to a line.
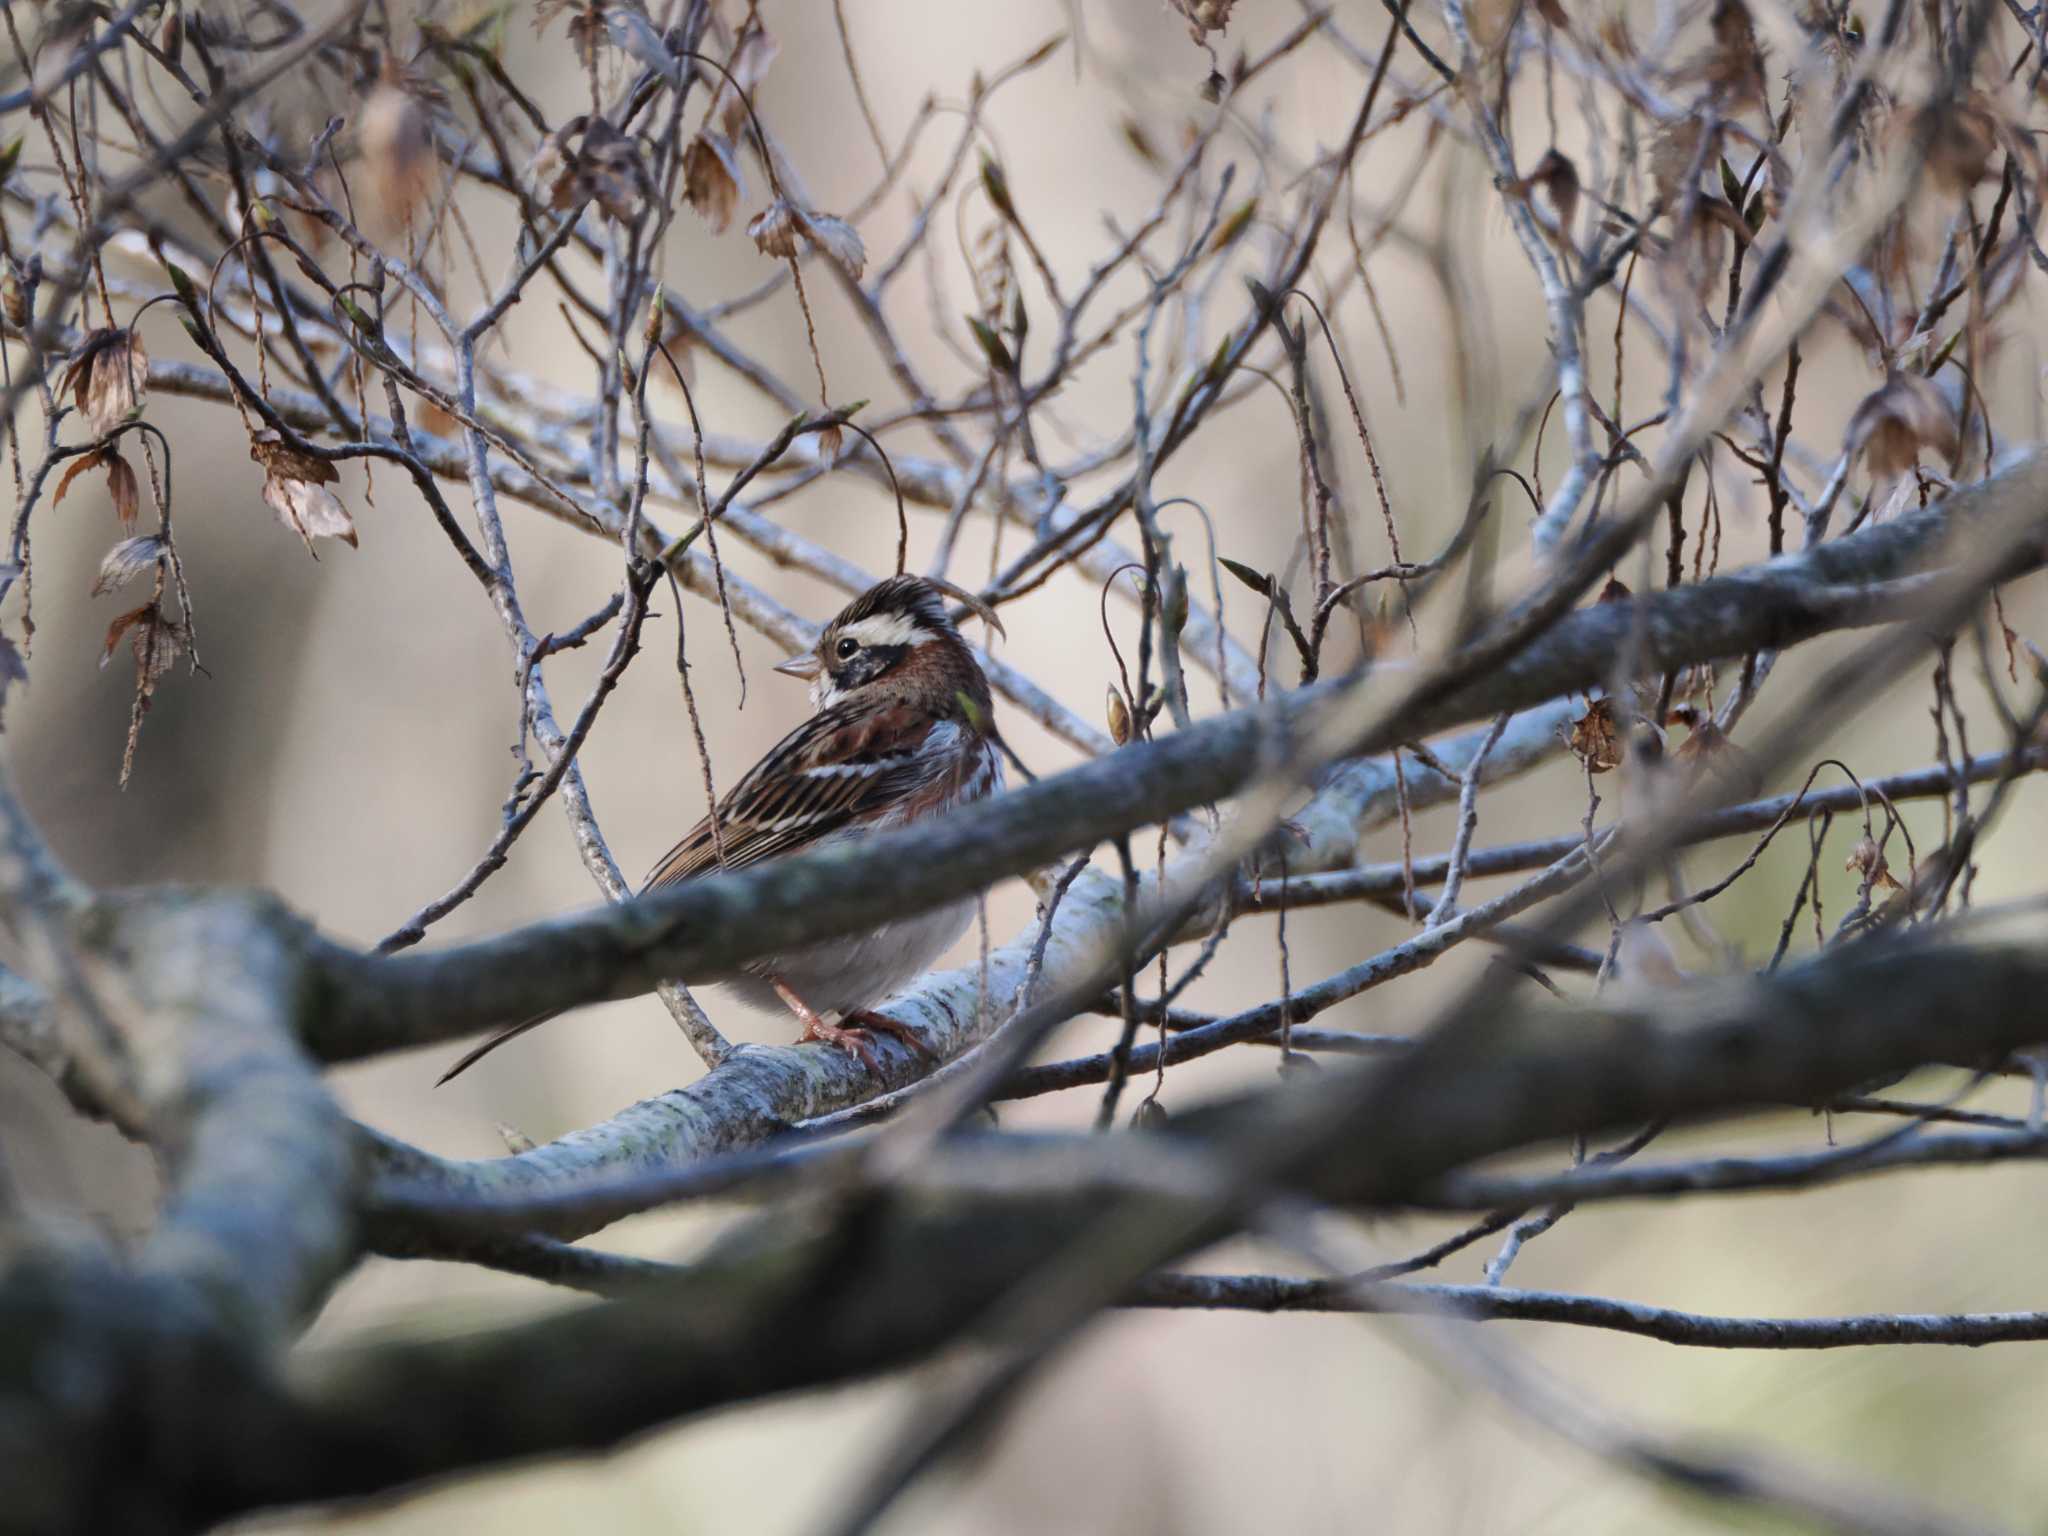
(843,976)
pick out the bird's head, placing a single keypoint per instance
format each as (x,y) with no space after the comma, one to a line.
(896,627)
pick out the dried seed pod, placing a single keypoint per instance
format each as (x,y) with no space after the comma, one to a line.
(1119,714)
(1150,1115)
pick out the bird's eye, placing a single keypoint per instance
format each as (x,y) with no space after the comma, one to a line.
(847,647)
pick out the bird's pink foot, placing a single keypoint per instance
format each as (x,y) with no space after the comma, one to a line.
(852,1035)
(856,1041)
(867,1019)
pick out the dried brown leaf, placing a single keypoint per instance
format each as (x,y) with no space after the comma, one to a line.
(711,179)
(157,643)
(280,458)
(398,151)
(1140,142)
(135,618)
(1708,747)
(1596,738)
(1204,16)
(1490,22)
(1559,180)
(77,467)
(1894,423)
(552,171)
(436,418)
(839,241)
(1733,66)
(311,511)
(586,24)
(1233,225)
(777,229)
(1674,150)
(107,377)
(295,485)
(1961,139)
(774,229)
(124,490)
(748,67)
(127,560)
(1868,860)
(609,169)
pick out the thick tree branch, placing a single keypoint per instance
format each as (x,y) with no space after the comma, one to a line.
(698,931)
(809,1295)
(762,1091)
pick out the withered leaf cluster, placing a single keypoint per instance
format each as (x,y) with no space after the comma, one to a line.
(1896,422)
(295,484)
(1596,738)
(778,229)
(586,24)
(1867,859)
(712,182)
(1708,748)
(122,487)
(158,641)
(1965,135)
(587,159)
(1204,16)
(107,377)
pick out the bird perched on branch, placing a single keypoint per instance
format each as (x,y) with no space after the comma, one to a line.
(903,730)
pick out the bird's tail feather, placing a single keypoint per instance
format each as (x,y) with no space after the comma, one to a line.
(478,1052)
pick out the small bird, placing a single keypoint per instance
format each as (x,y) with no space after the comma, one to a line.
(903,730)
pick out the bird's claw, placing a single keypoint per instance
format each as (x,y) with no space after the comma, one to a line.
(855,1034)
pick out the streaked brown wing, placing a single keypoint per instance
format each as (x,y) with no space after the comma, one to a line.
(839,768)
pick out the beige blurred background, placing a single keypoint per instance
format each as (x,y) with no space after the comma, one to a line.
(350,749)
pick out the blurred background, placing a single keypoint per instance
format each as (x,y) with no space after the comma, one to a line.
(350,745)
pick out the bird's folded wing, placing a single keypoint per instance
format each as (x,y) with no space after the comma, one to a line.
(842,767)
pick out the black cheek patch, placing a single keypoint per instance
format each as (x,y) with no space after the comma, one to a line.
(867,664)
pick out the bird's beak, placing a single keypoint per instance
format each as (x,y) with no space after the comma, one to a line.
(805,666)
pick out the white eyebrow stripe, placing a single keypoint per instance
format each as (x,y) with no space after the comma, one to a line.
(887,629)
